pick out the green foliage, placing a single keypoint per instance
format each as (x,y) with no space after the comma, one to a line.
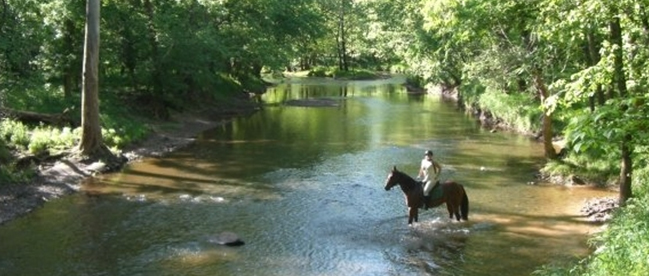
(564,268)
(8,172)
(471,92)
(355,74)
(335,72)
(321,71)
(601,171)
(117,133)
(53,139)
(624,245)
(35,140)
(5,155)
(15,133)
(121,125)
(43,100)
(519,109)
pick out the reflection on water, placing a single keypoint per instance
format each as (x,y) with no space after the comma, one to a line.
(302,186)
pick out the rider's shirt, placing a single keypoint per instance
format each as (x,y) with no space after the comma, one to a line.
(429,170)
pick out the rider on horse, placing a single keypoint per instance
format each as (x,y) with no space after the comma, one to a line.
(430,171)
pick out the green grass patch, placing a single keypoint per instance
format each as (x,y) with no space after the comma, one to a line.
(9,174)
(8,171)
(594,170)
(520,110)
(41,99)
(335,72)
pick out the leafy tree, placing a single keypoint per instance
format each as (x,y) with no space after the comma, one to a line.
(610,65)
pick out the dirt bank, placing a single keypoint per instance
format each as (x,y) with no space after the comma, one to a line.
(63,177)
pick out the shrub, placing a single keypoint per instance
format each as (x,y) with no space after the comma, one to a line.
(15,133)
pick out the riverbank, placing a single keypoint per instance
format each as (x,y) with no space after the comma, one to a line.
(61,177)
(595,210)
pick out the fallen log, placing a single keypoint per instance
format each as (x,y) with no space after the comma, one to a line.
(34,118)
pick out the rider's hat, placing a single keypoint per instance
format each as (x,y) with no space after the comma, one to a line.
(428,152)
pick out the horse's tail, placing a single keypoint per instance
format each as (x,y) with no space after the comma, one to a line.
(464,208)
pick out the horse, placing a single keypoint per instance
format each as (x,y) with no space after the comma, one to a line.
(457,201)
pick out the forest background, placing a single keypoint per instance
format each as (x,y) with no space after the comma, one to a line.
(574,71)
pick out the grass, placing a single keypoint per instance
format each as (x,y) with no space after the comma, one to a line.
(520,111)
(593,170)
(9,173)
(335,72)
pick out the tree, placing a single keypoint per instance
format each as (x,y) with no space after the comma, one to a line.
(341,38)
(91,143)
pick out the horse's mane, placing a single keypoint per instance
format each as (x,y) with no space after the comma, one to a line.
(407,180)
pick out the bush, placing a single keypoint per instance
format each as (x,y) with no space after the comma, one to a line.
(601,171)
(518,110)
(335,72)
(320,71)
(8,171)
(624,246)
(15,133)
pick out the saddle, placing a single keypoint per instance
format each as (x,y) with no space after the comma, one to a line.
(435,194)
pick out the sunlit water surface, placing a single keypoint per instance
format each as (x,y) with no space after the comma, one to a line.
(303,187)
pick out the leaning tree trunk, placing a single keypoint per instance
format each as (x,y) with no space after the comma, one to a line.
(91,140)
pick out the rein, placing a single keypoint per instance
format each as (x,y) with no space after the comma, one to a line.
(406,182)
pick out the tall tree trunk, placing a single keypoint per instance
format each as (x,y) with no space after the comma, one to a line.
(339,38)
(542,89)
(593,58)
(616,38)
(68,71)
(344,41)
(342,38)
(626,147)
(91,140)
(626,170)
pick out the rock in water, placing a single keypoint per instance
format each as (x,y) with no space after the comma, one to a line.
(226,238)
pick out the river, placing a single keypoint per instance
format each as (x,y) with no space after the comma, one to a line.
(302,185)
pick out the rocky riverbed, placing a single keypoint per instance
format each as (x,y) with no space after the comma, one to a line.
(599,210)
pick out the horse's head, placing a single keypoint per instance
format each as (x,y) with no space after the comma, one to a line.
(393,179)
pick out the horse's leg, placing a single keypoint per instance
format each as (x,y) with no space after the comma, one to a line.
(465,206)
(457,210)
(411,214)
(449,207)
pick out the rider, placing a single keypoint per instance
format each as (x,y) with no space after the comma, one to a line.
(430,171)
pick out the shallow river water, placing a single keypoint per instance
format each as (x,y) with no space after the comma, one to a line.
(302,186)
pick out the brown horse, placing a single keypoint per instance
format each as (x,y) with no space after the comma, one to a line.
(450,192)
